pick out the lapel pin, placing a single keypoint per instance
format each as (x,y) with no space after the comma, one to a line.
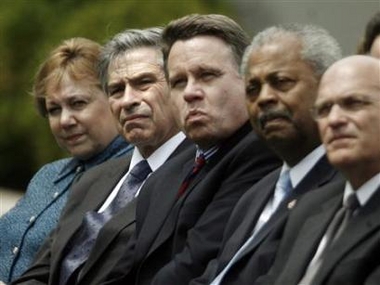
(292,203)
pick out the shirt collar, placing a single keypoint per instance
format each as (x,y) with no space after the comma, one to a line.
(160,155)
(302,168)
(365,192)
(207,154)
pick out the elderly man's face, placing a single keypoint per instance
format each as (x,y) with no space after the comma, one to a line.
(139,99)
(280,90)
(348,114)
(206,89)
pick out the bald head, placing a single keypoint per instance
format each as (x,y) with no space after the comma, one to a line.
(352,67)
(348,115)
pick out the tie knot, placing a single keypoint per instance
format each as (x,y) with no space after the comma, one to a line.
(352,203)
(200,160)
(284,182)
(141,170)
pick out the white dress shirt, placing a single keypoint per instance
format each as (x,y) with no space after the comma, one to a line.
(155,160)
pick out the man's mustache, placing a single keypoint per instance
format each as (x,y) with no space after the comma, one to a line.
(271,115)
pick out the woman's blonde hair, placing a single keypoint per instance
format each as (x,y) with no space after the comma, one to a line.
(77,57)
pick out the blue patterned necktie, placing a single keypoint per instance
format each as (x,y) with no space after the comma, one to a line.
(129,188)
(285,185)
(85,238)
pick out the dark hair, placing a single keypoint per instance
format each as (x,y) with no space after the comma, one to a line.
(219,26)
(124,41)
(372,30)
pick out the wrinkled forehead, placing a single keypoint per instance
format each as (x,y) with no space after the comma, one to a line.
(350,79)
(274,55)
(137,59)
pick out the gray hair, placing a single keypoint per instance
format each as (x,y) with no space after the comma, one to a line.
(124,41)
(319,48)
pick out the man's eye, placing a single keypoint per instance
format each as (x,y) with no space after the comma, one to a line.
(143,84)
(353,104)
(79,104)
(252,90)
(207,75)
(323,110)
(145,81)
(113,91)
(178,83)
(283,83)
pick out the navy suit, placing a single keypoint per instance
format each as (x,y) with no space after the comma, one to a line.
(354,257)
(175,238)
(258,257)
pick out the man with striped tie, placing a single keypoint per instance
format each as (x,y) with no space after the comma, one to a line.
(181,219)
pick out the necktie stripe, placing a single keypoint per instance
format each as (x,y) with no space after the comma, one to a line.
(200,161)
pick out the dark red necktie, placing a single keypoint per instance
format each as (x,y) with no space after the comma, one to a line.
(199,162)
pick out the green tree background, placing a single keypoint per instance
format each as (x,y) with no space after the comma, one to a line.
(29,29)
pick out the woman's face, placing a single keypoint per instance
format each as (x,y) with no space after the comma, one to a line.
(80,117)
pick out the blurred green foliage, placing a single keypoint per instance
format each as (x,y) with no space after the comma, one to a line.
(29,29)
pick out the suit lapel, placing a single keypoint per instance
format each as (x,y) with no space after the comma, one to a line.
(164,227)
(168,225)
(169,209)
(109,232)
(310,236)
(318,176)
(224,149)
(158,195)
(104,187)
(159,213)
(359,228)
(264,191)
(94,199)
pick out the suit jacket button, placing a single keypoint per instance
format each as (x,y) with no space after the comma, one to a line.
(15,250)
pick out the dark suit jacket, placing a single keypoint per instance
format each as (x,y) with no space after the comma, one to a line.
(353,258)
(176,238)
(257,259)
(88,194)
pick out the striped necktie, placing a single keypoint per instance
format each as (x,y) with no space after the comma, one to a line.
(200,161)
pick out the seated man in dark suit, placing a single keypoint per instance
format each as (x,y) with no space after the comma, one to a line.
(333,235)
(132,75)
(282,68)
(180,218)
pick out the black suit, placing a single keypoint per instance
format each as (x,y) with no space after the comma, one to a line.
(257,259)
(88,194)
(176,238)
(353,258)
